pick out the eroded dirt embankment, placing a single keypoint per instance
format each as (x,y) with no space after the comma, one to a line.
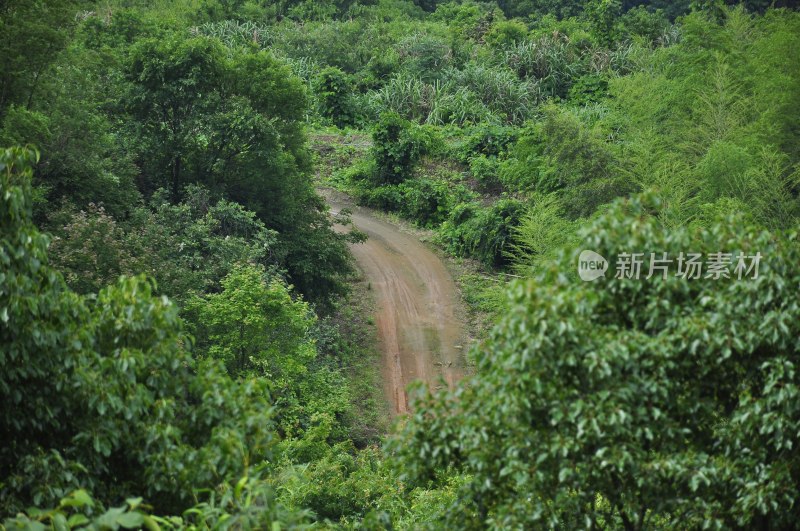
(419,331)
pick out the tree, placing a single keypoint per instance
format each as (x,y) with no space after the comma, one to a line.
(630,403)
(505,33)
(84,159)
(254,327)
(93,252)
(187,248)
(604,16)
(174,83)
(540,8)
(101,392)
(31,35)
(716,116)
(563,154)
(234,125)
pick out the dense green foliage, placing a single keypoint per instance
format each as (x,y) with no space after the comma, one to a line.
(104,392)
(133,105)
(187,248)
(676,409)
(174,314)
(96,390)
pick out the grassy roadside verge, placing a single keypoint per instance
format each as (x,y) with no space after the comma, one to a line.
(370,417)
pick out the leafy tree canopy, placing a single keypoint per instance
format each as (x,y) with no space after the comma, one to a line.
(101,392)
(629,402)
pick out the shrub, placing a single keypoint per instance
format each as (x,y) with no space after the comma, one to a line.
(465,20)
(541,232)
(425,56)
(552,61)
(345,44)
(425,201)
(488,139)
(461,106)
(388,197)
(335,97)
(603,16)
(235,33)
(588,89)
(379,70)
(640,22)
(360,173)
(397,147)
(564,154)
(482,233)
(485,170)
(505,33)
(408,97)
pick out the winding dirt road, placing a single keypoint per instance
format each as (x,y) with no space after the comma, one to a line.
(419,332)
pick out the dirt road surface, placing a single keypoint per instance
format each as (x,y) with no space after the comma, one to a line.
(419,331)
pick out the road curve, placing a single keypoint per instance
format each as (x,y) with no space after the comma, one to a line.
(419,332)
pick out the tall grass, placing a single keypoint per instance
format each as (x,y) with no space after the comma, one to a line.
(435,103)
(235,33)
(499,90)
(552,61)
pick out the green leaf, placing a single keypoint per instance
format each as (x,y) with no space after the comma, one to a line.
(133,503)
(77,520)
(79,498)
(237,492)
(60,522)
(131,520)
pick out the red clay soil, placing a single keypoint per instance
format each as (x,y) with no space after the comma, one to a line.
(418,329)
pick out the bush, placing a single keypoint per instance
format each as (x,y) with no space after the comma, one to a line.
(188,248)
(426,201)
(335,97)
(409,97)
(564,154)
(397,147)
(588,89)
(360,174)
(482,233)
(487,139)
(499,90)
(425,56)
(434,103)
(542,231)
(552,61)
(506,33)
(250,503)
(388,197)
(485,170)
(640,22)
(379,70)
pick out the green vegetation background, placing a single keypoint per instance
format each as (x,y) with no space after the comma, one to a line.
(181,343)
